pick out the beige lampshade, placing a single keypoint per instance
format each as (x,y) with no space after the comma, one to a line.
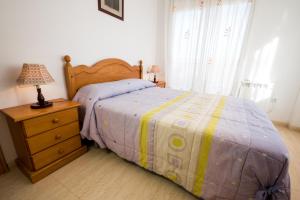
(155,69)
(34,74)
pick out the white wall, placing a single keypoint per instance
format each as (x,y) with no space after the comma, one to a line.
(161,39)
(274,41)
(44,31)
(295,118)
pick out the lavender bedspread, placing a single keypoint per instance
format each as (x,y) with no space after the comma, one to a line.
(215,147)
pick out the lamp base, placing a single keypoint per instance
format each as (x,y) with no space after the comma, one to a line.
(38,106)
(154,80)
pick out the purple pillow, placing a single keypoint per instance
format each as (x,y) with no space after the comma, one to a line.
(111,89)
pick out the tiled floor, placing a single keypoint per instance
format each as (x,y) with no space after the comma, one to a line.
(99,175)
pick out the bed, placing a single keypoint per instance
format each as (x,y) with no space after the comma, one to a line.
(215,147)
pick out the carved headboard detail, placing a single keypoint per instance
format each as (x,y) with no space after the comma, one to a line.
(103,71)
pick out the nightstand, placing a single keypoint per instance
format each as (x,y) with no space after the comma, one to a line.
(45,139)
(161,84)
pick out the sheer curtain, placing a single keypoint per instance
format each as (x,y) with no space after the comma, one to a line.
(205,41)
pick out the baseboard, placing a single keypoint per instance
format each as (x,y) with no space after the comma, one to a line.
(279,123)
(286,125)
(11,164)
(3,165)
(294,128)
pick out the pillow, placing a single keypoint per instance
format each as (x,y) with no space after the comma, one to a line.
(137,83)
(110,89)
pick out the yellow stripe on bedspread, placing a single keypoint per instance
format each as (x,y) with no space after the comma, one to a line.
(205,147)
(144,127)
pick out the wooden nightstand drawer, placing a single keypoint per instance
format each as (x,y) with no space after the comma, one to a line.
(42,141)
(53,153)
(45,139)
(47,122)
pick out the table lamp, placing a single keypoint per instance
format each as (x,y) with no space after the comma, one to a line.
(34,74)
(155,69)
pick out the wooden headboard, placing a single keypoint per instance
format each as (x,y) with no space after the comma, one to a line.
(103,71)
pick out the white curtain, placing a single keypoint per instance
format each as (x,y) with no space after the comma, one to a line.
(204,43)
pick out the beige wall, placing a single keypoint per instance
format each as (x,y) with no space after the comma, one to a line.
(44,31)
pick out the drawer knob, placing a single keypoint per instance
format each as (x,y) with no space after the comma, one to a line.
(58,137)
(61,151)
(55,120)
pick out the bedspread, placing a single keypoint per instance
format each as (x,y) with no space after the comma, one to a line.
(216,147)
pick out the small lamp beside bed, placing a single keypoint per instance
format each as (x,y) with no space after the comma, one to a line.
(154,69)
(35,74)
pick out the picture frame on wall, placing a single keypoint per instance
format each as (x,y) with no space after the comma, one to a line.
(114,8)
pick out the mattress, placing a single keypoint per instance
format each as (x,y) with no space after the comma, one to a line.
(216,147)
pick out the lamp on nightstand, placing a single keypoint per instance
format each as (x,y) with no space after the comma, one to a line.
(155,69)
(34,74)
